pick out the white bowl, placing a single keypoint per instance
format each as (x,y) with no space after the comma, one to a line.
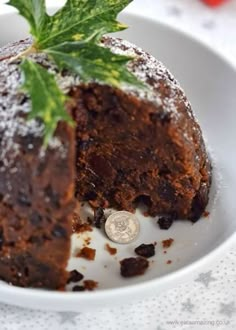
(209,81)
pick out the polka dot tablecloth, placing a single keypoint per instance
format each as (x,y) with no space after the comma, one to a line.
(207,302)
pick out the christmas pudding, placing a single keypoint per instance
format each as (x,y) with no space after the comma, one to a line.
(128,144)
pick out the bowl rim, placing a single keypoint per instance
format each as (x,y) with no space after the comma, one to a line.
(148,285)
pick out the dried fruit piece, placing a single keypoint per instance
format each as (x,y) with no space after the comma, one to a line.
(165,222)
(99,217)
(145,250)
(75,276)
(78,288)
(133,266)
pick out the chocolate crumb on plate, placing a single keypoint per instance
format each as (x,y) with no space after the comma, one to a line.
(78,288)
(133,266)
(110,249)
(167,243)
(165,222)
(206,214)
(81,228)
(169,262)
(90,285)
(145,250)
(86,253)
(99,217)
(75,276)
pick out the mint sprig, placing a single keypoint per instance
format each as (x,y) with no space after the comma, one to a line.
(72,39)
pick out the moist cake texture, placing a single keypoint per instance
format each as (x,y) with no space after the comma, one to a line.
(129,146)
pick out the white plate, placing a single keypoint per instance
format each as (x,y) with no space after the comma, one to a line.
(209,81)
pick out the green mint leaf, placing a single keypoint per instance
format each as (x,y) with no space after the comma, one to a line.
(93,62)
(48,102)
(35,13)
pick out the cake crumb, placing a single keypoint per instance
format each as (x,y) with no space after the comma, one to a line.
(110,249)
(86,253)
(206,214)
(130,267)
(167,243)
(81,228)
(169,262)
(90,285)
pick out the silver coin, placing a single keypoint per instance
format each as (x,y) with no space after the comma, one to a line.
(122,227)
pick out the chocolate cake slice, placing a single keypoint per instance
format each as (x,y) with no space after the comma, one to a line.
(129,145)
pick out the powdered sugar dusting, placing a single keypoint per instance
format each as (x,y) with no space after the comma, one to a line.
(14,104)
(14,107)
(152,72)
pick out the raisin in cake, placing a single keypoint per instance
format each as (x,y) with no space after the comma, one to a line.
(128,146)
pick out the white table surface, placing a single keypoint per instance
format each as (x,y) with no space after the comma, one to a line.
(207,302)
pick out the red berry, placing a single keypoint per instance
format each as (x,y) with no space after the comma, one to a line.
(214,3)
